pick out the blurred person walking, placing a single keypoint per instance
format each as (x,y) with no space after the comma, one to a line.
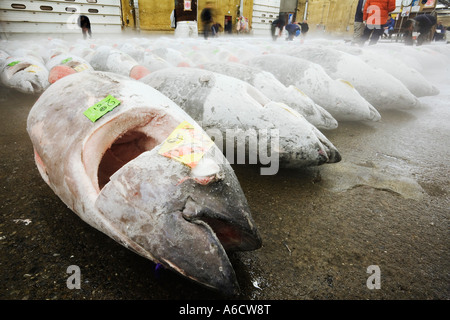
(293,30)
(439,34)
(375,15)
(304,28)
(85,25)
(389,27)
(423,24)
(207,19)
(358,25)
(277,24)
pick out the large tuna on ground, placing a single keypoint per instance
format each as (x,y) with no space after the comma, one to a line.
(113,60)
(236,111)
(416,83)
(378,87)
(276,91)
(25,74)
(65,64)
(338,97)
(144,173)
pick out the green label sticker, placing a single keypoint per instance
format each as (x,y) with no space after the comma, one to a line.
(66,60)
(99,109)
(13,63)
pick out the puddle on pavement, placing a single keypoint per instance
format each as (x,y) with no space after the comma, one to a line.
(346,176)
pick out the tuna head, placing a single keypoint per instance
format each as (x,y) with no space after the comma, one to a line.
(117,176)
(112,60)
(181,221)
(25,74)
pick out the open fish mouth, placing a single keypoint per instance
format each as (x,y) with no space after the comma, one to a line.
(127,147)
(116,143)
(18,68)
(231,234)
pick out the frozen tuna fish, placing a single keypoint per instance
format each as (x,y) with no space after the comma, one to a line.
(235,110)
(65,64)
(133,50)
(218,54)
(338,97)
(174,57)
(109,59)
(24,52)
(153,62)
(83,51)
(3,56)
(24,74)
(416,83)
(276,91)
(378,87)
(145,57)
(123,173)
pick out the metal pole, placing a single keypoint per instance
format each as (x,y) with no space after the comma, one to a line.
(136,12)
(328,12)
(350,15)
(305,15)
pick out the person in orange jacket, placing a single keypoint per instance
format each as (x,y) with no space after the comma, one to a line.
(375,15)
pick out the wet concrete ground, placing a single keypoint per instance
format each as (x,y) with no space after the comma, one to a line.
(386,204)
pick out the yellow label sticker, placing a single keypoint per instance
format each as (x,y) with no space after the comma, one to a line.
(81,67)
(186,144)
(33,68)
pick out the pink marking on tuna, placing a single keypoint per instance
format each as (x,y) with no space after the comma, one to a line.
(139,72)
(59,72)
(233,59)
(184,64)
(203,180)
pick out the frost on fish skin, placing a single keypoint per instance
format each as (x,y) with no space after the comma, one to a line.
(276,91)
(109,172)
(367,81)
(343,102)
(24,74)
(235,109)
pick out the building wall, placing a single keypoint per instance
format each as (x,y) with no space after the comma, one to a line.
(58,16)
(264,13)
(444,17)
(333,16)
(127,13)
(154,15)
(224,8)
(288,5)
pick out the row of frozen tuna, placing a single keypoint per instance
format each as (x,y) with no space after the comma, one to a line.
(324,83)
(120,160)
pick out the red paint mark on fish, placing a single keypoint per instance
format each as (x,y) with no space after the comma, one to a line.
(59,72)
(139,72)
